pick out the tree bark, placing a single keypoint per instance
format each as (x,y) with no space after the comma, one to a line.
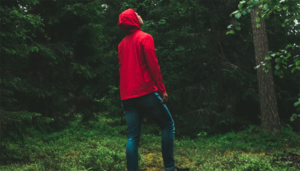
(268,103)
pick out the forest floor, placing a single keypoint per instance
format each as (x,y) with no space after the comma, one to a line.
(101,145)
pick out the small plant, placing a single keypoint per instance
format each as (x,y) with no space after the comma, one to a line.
(94,146)
(202,134)
(295,116)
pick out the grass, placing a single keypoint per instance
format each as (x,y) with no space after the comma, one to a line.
(100,145)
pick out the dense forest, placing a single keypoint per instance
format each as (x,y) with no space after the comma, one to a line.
(230,67)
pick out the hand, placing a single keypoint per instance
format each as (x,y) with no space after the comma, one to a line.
(164,98)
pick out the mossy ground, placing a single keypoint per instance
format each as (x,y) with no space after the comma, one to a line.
(101,145)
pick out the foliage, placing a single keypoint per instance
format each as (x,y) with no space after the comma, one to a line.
(190,68)
(267,8)
(59,70)
(18,31)
(58,60)
(54,60)
(100,145)
(295,116)
(280,17)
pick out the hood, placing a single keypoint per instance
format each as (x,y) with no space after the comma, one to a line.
(128,21)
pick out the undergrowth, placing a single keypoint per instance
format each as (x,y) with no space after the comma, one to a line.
(101,145)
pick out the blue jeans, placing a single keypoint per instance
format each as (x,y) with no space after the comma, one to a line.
(151,106)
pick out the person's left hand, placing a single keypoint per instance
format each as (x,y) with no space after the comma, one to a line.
(164,98)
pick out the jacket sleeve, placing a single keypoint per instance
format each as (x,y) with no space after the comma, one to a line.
(152,63)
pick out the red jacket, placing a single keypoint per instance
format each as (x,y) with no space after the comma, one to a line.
(138,65)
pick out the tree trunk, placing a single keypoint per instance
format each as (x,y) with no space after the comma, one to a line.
(268,103)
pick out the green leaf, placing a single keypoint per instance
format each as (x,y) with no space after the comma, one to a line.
(244,12)
(284,61)
(288,46)
(297,103)
(284,66)
(248,10)
(257,19)
(240,6)
(238,28)
(162,21)
(278,60)
(281,74)
(238,15)
(257,25)
(293,117)
(229,26)
(285,8)
(230,32)
(268,58)
(234,12)
(283,25)
(266,69)
(266,6)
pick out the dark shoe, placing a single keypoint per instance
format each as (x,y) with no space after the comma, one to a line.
(179,169)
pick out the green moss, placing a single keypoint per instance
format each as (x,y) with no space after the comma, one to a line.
(101,145)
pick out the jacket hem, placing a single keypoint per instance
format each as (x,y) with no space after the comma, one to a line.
(139,95)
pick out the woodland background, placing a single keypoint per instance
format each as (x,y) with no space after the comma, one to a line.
(59,62)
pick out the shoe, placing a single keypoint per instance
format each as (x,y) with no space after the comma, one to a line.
(179,169)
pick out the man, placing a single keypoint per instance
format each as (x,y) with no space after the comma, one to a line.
(140,78)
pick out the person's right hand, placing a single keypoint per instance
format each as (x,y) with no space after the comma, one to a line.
(164,98)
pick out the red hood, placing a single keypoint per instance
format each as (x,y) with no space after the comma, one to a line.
(128,21)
